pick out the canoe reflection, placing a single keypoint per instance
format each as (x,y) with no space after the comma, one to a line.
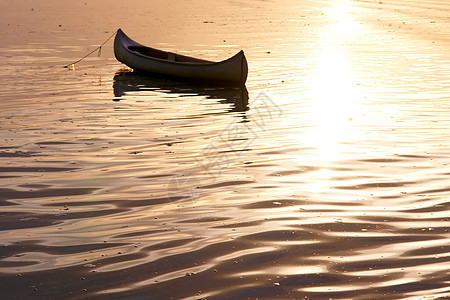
(128,81)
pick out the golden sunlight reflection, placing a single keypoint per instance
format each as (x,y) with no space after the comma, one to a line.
(336,97)
(343,24)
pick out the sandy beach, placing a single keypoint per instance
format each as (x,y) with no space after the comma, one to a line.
(325,177)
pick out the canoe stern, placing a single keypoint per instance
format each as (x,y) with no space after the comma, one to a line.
(244,67)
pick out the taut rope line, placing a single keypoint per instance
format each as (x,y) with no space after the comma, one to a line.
(99,48)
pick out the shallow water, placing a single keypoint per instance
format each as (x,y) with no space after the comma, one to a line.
(326,177)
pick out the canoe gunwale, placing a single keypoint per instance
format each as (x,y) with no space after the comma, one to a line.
(200,64)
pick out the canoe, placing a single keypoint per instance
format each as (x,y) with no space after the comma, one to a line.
(149,60)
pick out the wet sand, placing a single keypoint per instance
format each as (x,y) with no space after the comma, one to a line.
(326,177)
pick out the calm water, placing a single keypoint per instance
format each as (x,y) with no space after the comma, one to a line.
(326,177)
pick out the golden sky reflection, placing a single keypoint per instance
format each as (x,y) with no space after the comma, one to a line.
(350,183)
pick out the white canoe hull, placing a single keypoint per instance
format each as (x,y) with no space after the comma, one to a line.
(145,59)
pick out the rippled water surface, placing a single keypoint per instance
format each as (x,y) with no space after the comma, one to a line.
(327,176)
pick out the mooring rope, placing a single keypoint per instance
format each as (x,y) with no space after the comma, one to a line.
(99,48)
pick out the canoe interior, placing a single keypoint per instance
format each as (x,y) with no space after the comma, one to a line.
(147,51)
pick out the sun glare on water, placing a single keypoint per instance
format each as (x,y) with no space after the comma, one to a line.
(336,97)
